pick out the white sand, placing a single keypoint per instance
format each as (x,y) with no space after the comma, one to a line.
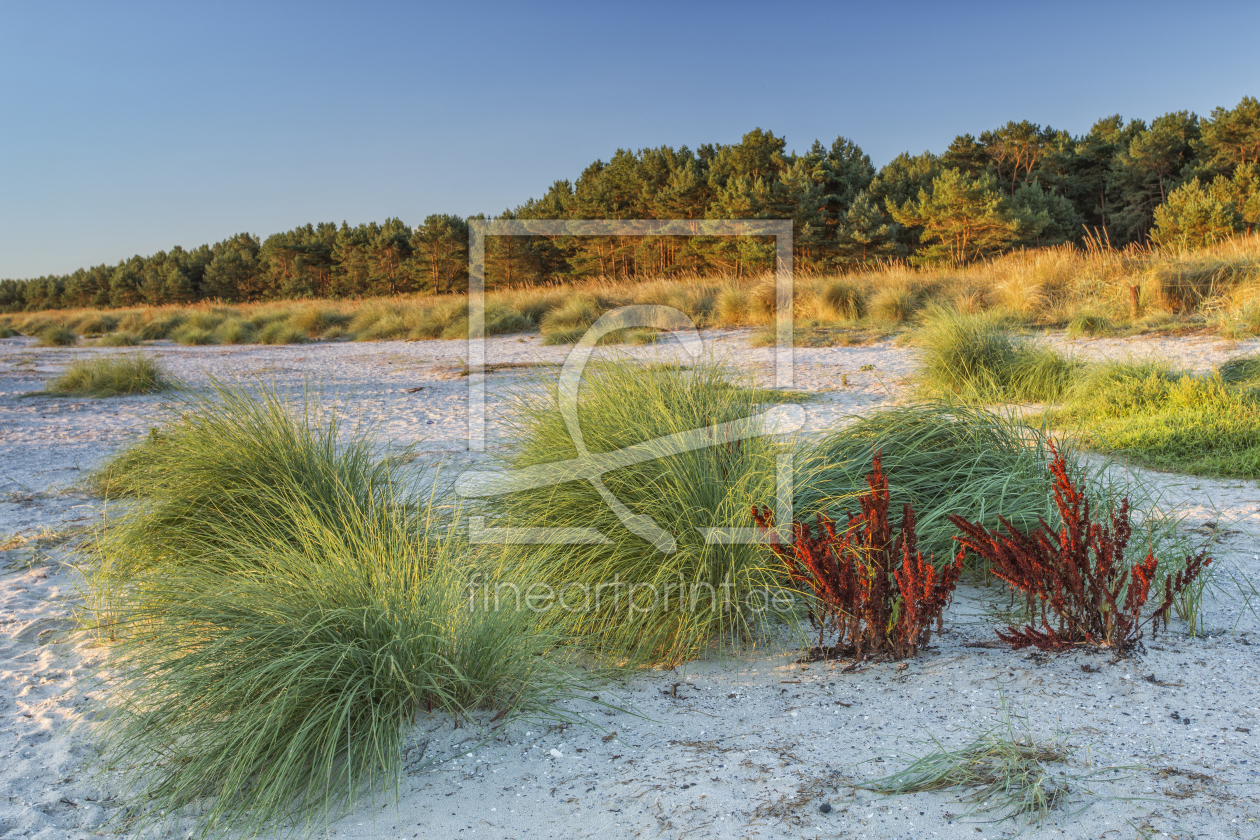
(748,747)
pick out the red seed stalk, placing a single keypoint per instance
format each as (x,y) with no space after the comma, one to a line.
(1077,575)
(875,590)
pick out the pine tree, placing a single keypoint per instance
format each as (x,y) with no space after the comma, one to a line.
(966,218)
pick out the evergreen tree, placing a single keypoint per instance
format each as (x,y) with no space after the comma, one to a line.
(1231,137)
(1156,161)
(964,217)
(1192,217)
(439,261)
(1048,218)
(865,234)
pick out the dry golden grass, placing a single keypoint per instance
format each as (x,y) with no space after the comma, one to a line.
(1216,288)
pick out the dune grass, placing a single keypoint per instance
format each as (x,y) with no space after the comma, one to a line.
(976,357)
(1159,417)
(1088,291)
(54,335)
(1241,370)
(280,608)
(117,339)
(110,376)
(1004,771)
(622,404)
(944,458)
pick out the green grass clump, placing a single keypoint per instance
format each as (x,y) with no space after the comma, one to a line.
(447,319)
(55,335)
(192,336)
(7,331)
(563,335)
(281,610)
(502,320)
(846,300)
(1158,417)
(942,458)
(160,327)
(111,376)
(235,331)
(1004,771)
(282,332)
(896,303)
(207,321)
(1241,370)
(317,320)
(566,323)
(624,404)
(95,323)
(118,339)
(1088,323)
(977,358)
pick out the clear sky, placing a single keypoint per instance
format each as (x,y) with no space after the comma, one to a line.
(127,128)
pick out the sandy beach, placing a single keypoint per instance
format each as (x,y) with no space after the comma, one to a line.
(751,746)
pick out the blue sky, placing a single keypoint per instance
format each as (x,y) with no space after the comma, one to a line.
(133,127)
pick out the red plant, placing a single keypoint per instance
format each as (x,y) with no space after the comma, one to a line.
(876,590)
(1079,574)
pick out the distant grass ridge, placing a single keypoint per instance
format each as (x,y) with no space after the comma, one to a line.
(1087,291)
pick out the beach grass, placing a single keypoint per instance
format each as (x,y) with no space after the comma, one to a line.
(109,376)
(1087,291)
(621,404)
(977,357)
(1158,417)
(941,457)
(279,609)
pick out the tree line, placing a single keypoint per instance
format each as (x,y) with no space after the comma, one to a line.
(1180,180)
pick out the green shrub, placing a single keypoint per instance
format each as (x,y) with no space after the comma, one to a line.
(282,612)
(7,331)
(623,404)
(109,377)
(976,357)
(191,335)
(846,300)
